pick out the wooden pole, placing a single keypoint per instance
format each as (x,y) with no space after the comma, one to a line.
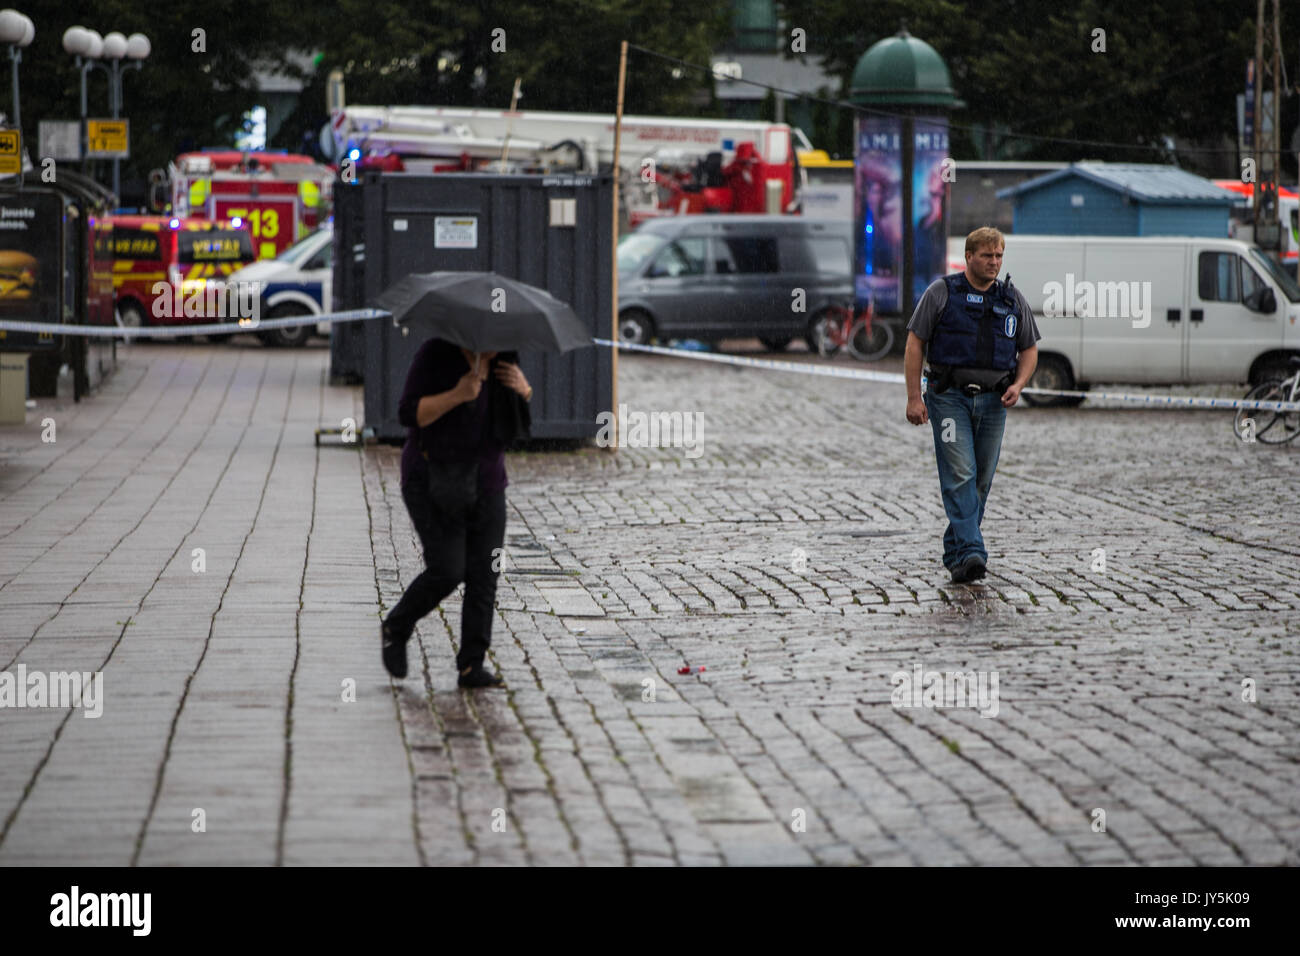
(618,137)
(510,123)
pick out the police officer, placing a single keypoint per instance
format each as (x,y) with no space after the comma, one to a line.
(980,339)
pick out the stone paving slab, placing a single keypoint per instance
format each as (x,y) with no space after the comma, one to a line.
(185,537)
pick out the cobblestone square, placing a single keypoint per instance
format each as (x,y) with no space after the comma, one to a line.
(184,536)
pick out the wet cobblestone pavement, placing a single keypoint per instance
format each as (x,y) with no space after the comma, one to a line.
(1144,583)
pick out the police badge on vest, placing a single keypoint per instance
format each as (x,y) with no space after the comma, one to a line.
(973,347)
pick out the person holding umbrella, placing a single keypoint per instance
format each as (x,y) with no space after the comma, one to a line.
(453,484)
(464,401)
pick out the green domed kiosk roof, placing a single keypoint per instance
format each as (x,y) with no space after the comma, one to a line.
(902,70)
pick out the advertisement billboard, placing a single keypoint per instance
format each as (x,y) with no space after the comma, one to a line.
(30,269)
(930,175)
(878,244)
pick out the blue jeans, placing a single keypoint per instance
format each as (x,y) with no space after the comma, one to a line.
(967,462)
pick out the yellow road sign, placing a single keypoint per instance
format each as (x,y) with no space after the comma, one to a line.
(107,139)
(11,152)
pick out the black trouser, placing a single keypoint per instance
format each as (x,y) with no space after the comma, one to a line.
(456,548)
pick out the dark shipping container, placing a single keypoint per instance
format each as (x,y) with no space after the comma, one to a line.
(553,232)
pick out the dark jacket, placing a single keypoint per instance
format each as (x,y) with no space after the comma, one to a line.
(474,431)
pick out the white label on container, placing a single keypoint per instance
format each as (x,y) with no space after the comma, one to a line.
(399,225)
(455,232)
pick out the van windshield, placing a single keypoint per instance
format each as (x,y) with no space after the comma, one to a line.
(298,253)
(634,249)
(1282,277)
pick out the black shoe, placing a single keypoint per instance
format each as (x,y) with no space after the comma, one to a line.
(394,651)
(968,570)
(478,677)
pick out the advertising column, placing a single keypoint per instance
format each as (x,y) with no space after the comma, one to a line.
(900,166)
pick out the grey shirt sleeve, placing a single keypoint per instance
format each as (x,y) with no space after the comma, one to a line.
(928,309)
(1027,335)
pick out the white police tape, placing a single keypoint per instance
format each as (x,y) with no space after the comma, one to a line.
(800,368)
(893,378)
(172,331)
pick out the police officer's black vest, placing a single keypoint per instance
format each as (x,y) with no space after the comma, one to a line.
(976,329)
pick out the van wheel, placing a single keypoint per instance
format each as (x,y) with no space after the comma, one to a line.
(818,334)
(635,327)
(287,338)
(132,317)
(1271,371)
(1053,372)
(777,345)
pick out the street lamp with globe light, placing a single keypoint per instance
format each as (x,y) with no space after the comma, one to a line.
(89,47)
(17,31)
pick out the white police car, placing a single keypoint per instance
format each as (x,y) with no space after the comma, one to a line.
(297,282)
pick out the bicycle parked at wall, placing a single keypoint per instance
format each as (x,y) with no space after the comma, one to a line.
(864,338)
(1271,428)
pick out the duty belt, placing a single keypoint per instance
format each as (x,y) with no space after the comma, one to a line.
(970,382)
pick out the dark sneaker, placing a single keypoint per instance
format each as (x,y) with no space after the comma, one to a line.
(394,651)
(478,677)
(968,570)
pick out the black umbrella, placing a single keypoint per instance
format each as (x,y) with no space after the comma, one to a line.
(485,312)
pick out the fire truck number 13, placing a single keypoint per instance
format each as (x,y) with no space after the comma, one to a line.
(264,223)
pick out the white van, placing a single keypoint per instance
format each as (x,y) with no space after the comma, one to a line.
(1159,310)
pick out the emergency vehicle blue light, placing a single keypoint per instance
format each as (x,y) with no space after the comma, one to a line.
(236,223)
(870,228)
(354,154)
(175,224)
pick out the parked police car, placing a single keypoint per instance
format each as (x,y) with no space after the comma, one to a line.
(297,282)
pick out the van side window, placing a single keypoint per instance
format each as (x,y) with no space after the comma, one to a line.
(831,256)
(1226,277)
(744,254)
(103,243)
(1219,277)
(685,257)
(1250,280)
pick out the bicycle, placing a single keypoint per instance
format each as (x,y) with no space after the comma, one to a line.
(837,327)
(1270,428)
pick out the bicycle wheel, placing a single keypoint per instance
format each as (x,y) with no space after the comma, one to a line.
(1269,428)
(873,345)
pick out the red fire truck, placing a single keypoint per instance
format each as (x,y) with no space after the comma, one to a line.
(282,197)
(178,260)
(669,165)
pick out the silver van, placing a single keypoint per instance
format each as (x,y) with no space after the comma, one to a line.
(711,277)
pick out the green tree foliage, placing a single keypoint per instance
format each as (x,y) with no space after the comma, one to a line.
(392,52)
(1170,69)
(181,99)
(566,52)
